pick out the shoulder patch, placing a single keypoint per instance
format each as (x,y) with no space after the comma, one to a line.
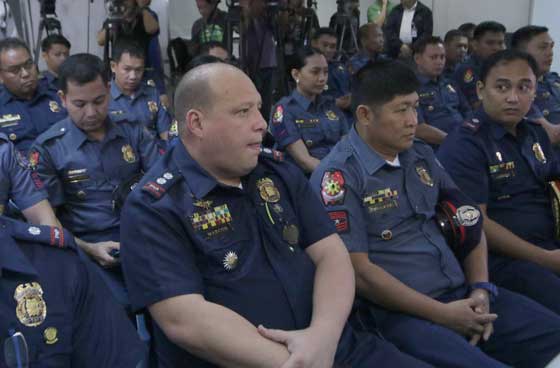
(278,115)
(340,220)
(158,186)
(332,188)
(472,125)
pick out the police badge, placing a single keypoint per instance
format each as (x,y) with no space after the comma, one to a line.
(128,153)
(53,105)
(424,176)
(268,191)
(539,154)
(331,115)
(31,309)
(152,106)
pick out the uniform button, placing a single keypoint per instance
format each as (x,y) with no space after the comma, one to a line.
(309,143)
(546,112)
(12,137)
(62,129)
(387,235)
(81,194)
(430,108)
(230,261)
(168,176)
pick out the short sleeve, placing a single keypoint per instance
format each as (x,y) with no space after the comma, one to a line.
(163,117)
(147,147)
(43,166)
(283,127)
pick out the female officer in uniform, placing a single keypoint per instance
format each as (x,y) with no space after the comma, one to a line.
(307,124)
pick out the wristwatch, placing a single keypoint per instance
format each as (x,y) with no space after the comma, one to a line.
(488,286)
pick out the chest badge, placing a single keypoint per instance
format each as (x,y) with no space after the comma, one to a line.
(268,191)
(153,107)
(290,233)
(331,115)
(128,153)
(539,154)
(31,309)
(230,261)
(51,335)
(469,76)
(451,89)
(54,106)
(424,176)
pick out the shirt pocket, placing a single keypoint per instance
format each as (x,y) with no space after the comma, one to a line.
(50,344)
(226,259)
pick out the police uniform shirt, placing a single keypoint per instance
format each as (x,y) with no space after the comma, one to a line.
(506,173)
(339,80)
(320,124)
(17,182)
(81,175)
(442,103)
(359,60)
(388,211)
(58,304)
(144,107)
(22,121)
(50,80)
(547,99)
(466,75)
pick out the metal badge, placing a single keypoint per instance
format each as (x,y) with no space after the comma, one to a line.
(331,115)
(128,153)
(152,106)
(12,136)
(268,191)
(499,156)
(53,105)
(290,233)
(161,181)
(81,194)
(539,154)
(424,176)
(451,89)
(467,215)
(31,309)
(387,234)
(230,261)
(151,83)
(51,335)
(33,230)
(168,176)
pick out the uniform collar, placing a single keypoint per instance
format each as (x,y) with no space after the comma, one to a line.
(116,92)
(496,129)
(304,101)
(42,90)
(424,80)
(11,257)
(200,181)
(78,137)
(369,159)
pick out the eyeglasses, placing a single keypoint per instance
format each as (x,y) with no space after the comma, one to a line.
(16,69)
(16,353)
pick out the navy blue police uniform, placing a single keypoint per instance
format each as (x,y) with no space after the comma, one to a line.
(509,175)
(82,176)
(320,124)
(50,81)
(17,182)
(339,80)
(443,105)
(144,107)
(55,301)
(360,59)
(388,210)
(547,99)
(22,121)
(466,75)
(240,247)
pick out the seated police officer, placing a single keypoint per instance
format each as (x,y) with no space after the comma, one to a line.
(442,103)
(219,239)
(488,38)
(504,162)
(132,98)
(27,107)
(55,49)
(381,188)
(307,124)
(371,41)
(84,160)
(23,187)
(53,310)
(456,50)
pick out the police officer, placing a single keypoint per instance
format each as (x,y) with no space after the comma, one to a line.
(504,162)
(27,107)
(307,124)
(381,188)
(219,239)
(488,38)
(84,159)
(371,41)
(133,99)
(22,187)
(55,49)
(456,50)
(442,103)
(53,311)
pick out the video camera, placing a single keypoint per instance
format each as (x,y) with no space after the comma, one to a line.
(116,9)
(346,7)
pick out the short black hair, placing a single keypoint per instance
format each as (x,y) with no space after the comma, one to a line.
(324,31)
(12,43)
(55,39)
(379,82)
(130,47)
(300,57)
(420,45)
(202,60)
(363,32)
(207,46)
(452,34)
(81,69)
(505,57)
(524,35)
(487,27)
(466,28)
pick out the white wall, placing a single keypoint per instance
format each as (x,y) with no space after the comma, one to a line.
(545,13)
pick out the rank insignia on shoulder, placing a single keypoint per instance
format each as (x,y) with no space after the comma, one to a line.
(340,220)
(31,309)
(274,154)
(53,105)
(332,188)
(331,115)
(155,190)
(469,76)
(278,116)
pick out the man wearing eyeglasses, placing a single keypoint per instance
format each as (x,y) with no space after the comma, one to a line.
(27,108)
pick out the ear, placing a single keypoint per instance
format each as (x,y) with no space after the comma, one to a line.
(295,74)
(416,58)
(479,89)
(364,115)
(113,66)
(193,122)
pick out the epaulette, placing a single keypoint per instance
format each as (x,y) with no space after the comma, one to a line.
(157,187)
(472,125)
(57,130)
(272,154)
(51,236)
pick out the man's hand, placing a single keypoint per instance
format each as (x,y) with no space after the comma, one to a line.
(344,102)
(461,317)
(482,307)
(309,348)
(552,130)
(100,253)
